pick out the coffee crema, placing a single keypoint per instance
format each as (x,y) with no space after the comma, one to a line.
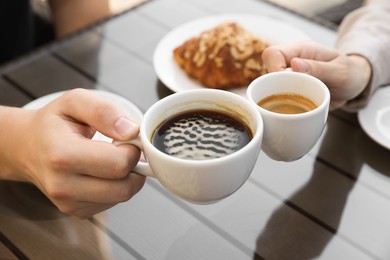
(287,103)
(201,135)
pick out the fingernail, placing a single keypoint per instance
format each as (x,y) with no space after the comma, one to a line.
(303,66)
(125,127)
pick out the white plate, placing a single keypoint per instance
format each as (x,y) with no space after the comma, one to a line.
(270,30)
(134,113)
(375,118)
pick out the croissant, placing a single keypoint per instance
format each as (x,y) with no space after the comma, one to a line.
(223,57)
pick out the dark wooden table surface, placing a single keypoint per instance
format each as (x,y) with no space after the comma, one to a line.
(334,203)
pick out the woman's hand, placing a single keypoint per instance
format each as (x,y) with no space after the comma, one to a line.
(345,75)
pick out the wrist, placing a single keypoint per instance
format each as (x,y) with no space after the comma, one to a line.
(363,74)
(14,126)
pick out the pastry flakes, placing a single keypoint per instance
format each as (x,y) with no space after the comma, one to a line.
(223,57)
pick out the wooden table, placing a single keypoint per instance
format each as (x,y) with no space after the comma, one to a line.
(334,203)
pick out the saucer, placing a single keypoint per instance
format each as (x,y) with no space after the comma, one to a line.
(134,113)
(375,118)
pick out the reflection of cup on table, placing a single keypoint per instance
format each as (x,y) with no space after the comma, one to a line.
(210,141)
(287,137)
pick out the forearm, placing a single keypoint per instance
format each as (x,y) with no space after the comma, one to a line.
(72,15)
(13,131)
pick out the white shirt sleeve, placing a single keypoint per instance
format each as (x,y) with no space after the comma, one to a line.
(366,31)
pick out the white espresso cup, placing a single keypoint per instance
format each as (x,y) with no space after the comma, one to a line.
(287,137)
(199,181)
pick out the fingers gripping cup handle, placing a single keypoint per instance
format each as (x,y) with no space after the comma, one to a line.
(142,168)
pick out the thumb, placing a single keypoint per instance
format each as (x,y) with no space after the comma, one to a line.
(125,128)
(319,69)
(300,65)
(104,116)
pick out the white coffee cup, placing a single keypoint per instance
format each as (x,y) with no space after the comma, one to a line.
(199,181)
(287,137)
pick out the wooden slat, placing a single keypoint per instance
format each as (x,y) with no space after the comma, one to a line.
(82,52)
(116,69)
(40,231)
(172,13)
(335,197)
(46,75)
(274,230)
(251,220)
(5,253)
(157,228)
(11,96)
(136,33)
(346,116)
(348,149)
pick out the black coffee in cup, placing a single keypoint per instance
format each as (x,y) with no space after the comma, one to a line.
(201,135)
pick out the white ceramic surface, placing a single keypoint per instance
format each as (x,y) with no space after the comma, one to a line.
(375,117)
(287,137)
(270,30)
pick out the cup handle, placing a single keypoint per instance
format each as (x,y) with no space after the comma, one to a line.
(142,168)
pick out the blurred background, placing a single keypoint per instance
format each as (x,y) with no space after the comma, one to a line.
(329,12)
(326,12)
(41,7)
(42,28)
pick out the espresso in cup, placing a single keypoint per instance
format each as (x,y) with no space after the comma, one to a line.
(289,135)
(201,135)
(287,103)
